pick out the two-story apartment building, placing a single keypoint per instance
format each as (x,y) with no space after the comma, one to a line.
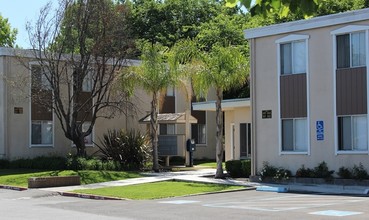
(309,92)
(28,130)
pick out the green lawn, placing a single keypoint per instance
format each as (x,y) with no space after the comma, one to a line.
(158,190)
(207,164)
(19,177)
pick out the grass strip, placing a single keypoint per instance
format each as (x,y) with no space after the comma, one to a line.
(19,177)
(158,190)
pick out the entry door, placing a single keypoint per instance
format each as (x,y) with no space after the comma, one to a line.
(245,140)
(232,140)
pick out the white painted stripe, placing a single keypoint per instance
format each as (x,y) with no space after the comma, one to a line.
(335,213)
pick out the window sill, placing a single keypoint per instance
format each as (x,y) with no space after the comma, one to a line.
(351,152)
(41,146)
(293,153)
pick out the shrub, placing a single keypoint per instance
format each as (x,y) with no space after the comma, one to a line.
(304,172)
(274,172)
(322,171)
(81,163)
(4,164)
(345,173)
(130,149)
(359,172)
(238,168)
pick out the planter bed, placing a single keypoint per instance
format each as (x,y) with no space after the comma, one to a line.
(313,181)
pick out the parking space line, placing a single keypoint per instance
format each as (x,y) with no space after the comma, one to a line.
(335,213)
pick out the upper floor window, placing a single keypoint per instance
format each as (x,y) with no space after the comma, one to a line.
(293,57)
(170,91)
(351,50)
(87,82)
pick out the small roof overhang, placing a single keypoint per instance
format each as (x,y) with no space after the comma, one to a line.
(229,104)
(169,118)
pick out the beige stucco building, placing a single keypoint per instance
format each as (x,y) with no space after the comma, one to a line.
(17,122)
(309,93)
(237,126)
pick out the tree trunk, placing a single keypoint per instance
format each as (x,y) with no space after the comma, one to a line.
(154,132)
(219,135)
(81,147)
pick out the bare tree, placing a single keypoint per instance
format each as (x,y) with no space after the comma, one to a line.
(79,49)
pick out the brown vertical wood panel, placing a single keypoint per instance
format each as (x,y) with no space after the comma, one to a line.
(351,91)
(168,104)
(86,112)
(200,116)
(293,96)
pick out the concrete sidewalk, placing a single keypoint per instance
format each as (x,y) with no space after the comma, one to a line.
(204,176)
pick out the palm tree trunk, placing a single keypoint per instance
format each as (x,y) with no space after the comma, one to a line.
(154,132)
(219,135)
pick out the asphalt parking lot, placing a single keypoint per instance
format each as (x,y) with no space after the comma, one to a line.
(250,204)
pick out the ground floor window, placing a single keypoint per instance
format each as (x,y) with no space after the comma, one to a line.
(198,133)
(352,133)
(88,138)
(42,132)
(166,129)
(294,135)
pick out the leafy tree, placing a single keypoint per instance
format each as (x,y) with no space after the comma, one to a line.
(221,68)
(7,34)
(81,84)
(168,21)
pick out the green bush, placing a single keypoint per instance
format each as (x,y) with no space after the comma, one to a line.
(359,172)
(130,149)
(345,173)
(274,172)
(81,163)
(4,164)
(304,172)
(238,168)
(322,171)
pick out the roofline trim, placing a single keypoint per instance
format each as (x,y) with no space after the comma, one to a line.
(317,22)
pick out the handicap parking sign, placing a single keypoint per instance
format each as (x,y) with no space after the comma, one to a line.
(319,130)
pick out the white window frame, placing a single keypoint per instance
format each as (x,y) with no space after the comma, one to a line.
(340,31)
(294,151)
(353,151)
(288,39)
(30,64)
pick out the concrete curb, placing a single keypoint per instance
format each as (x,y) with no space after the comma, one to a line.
(16,188)
(88,196)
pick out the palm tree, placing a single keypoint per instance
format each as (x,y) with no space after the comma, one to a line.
(154,75)
(221,68)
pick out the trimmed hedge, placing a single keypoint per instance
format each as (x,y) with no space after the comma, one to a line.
(238,168)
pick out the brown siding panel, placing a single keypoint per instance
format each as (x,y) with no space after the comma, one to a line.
(293,96)
(86,112)
(168,105)
(351,91)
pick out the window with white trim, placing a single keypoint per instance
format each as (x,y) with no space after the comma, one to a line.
(351,50)
(87,82)
(293,57)
(88,138)
(42,132)
(294,135)
(166,129)
(198,133)
(352,133)
(41,109)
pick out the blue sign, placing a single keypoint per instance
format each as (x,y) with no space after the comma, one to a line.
(319,130)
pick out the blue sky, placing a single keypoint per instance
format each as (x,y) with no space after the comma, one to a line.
(18,13)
